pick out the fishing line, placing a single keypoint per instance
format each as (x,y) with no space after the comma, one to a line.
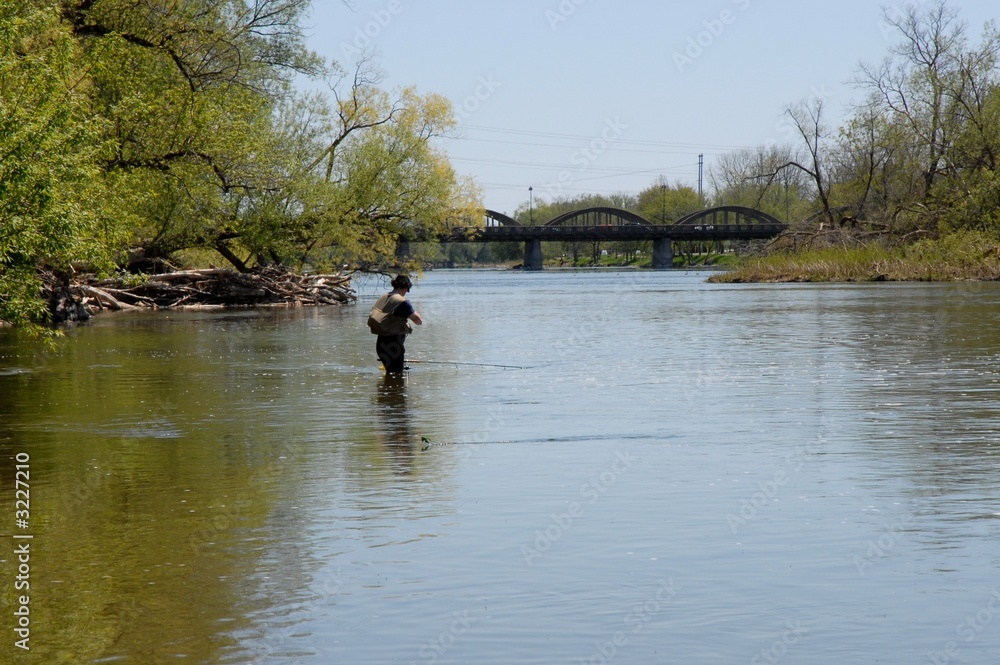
(428,444)
(455,362)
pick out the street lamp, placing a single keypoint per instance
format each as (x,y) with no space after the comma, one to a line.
(663,203)
(531,207)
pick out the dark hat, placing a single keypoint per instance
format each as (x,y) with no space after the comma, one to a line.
(402,282)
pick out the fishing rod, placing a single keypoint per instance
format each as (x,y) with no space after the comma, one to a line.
(455,362)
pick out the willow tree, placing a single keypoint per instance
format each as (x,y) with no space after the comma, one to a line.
(380,175)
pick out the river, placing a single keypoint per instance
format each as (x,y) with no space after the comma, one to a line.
(580,467)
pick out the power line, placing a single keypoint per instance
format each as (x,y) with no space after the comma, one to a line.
(640,172)
(562,188)
(565,167)
(610,147)
(580,137)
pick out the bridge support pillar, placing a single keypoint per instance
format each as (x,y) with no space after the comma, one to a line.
(532,254)
(663,254)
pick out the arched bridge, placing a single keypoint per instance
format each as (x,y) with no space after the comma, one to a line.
(604,223)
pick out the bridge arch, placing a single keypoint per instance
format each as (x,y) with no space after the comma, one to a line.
(607,216)
(500,219)
(742,215)
(600,216)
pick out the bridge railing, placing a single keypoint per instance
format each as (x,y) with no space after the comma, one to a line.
(610,232)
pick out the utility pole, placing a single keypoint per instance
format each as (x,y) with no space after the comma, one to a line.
(663,200)
(701,177)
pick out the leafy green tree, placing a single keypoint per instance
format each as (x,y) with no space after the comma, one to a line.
(876,171)
(384,176)
(976,202)
(47,144)
(545,211)
(189,90)
(167,125)
(663,203)
(938,88)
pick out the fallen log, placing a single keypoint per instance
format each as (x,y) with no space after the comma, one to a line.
(191,275)
(218,287)
(100,296)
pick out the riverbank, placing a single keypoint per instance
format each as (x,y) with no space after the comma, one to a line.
(964,256)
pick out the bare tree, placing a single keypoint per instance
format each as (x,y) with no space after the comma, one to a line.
(971,94)
(918,85)
(362,107)
(807,119)
(751,177)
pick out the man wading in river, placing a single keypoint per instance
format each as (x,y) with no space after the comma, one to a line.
(389,320)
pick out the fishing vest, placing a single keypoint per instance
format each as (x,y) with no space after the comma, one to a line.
(380,319)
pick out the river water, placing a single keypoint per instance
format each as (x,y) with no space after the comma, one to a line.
(666,471)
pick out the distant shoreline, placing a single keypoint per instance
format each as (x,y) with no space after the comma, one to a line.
(957,257)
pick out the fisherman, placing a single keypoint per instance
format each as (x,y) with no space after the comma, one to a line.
(394,327)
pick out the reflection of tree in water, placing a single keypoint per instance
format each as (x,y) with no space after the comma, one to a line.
(392,428)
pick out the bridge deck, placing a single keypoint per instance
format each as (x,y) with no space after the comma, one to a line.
(623,232)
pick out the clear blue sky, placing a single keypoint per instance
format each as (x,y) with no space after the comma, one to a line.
(601,96)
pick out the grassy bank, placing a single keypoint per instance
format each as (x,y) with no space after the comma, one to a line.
(959,256)
(645,261)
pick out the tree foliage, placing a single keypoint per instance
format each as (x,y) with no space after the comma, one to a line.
(47,147)
(932,116)
(919,154)
(156,126)
(665,203)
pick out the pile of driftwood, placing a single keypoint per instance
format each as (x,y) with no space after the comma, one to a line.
(215,287)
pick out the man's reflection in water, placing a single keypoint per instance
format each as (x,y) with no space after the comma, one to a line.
(392,422)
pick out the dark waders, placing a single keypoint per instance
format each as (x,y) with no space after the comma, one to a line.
(390,351)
